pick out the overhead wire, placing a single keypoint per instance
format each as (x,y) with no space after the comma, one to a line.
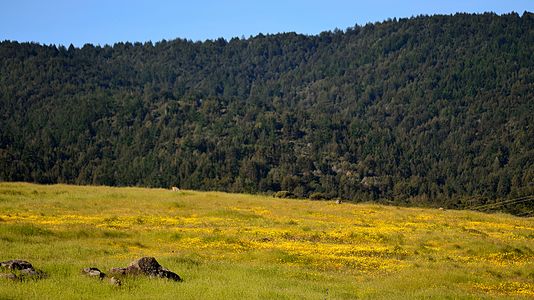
(503,203)
(526,213)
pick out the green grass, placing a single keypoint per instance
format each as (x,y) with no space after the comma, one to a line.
(235,246)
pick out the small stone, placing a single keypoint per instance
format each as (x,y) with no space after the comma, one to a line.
(94,272)
(115,281)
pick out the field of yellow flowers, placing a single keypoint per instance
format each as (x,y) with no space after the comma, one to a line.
(257,247)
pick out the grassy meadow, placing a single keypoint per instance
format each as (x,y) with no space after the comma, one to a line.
(235,246)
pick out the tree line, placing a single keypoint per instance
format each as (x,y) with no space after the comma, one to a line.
(433,111)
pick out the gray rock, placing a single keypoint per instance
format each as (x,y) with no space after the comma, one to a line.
(16,264)
(115,281)
(94,272)
(31,273)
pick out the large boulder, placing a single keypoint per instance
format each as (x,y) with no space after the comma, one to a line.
(147,266)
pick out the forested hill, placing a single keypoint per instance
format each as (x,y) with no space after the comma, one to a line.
(429,110)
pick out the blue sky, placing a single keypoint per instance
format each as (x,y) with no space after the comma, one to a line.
(106,22)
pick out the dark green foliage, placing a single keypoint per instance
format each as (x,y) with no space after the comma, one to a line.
(283,194)
(319,196)
(429,111)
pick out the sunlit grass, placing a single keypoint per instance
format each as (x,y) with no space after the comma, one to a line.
(245,246)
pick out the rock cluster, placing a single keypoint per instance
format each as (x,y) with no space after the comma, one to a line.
(145,266)
(20,270)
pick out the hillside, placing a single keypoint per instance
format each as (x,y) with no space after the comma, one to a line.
(432,111)
(236,246)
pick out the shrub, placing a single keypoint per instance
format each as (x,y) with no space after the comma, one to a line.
(318,196)
(283,194)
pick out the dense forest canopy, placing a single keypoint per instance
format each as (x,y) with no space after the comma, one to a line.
(428,110)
